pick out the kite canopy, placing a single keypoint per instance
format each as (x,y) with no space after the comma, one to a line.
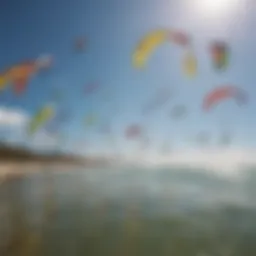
(61,116)
(44,61)
(220,55)
(189,64)
(221,93)
(91,119)
(147,45)
(163,95)
(3,81)
(133,131)
(151,41)
(44,115)
(203,138)
(225,139)
(18,75)
(178,112)
(80,44)
(91,88)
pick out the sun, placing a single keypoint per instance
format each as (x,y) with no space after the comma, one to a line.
(216,7)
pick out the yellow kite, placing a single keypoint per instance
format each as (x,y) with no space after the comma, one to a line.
(151,41)
(43,115)
(190,64)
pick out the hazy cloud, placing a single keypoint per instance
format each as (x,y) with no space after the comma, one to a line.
(12,117)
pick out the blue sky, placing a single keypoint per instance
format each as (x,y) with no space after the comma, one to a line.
(112,29)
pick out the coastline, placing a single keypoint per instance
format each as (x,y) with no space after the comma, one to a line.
(9,171)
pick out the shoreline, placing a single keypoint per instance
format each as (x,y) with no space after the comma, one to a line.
(10,170)
(17,170)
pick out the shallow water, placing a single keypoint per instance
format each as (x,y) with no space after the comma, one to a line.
(111,212)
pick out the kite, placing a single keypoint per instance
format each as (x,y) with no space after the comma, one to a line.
(190,64)
(221,93)
(133,131)
(145,142)
(219,55)
(91,88)
(91,119)
(150,42)
(19,75)
(225,139)
(203,138)
(57,95)
(60,117)
(178,112)
(161,98)
(105,128)
(44,115)
(80,44)
(165,148)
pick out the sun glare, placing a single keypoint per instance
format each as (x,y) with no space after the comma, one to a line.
(216,7)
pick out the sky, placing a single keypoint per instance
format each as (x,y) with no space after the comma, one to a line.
(112,30)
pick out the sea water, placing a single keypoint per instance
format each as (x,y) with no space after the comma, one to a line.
(83,205)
